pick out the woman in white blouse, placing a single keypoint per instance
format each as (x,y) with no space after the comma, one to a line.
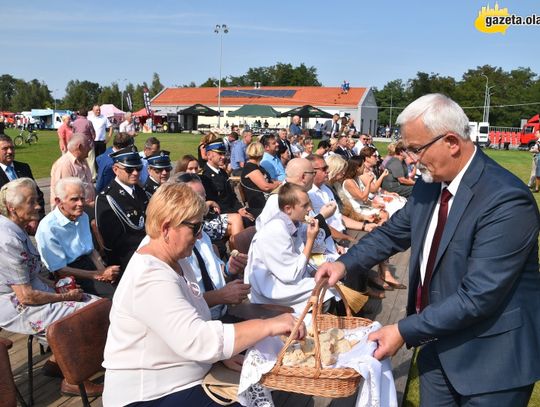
(162,341)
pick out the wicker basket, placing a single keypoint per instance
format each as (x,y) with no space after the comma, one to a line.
(317,381)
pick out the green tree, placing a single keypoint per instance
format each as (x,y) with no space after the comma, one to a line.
(111,94)
(156,85)
(276,75)
(30,95)
(210,83)
(431,83)
(81,95)
(390,100)
(7,90)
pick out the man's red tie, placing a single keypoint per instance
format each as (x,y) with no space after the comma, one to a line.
(422,295)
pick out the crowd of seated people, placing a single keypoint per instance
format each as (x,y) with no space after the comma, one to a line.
(162,247)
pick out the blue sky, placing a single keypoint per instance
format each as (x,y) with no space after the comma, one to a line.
(366,43)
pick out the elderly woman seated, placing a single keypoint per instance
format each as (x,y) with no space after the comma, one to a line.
(64,242)
(278,260)
(28,304)
(162,341)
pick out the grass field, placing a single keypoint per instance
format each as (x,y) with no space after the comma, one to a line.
(41,156)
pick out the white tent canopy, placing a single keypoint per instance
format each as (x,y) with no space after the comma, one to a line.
(110,110)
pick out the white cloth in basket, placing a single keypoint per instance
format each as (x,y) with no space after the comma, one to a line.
(378,387)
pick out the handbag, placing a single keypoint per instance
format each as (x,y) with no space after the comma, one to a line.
(221,384)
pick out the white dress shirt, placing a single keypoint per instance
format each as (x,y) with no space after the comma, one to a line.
(214,267)
(452,188)
(320,196)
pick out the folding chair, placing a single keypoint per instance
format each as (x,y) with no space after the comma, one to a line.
(77,342)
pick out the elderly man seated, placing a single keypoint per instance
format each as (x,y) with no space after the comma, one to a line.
(278,260)
(64,241)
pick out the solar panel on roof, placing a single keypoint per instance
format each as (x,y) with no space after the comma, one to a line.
(258,93)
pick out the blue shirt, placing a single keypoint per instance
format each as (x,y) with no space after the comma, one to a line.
(238,154)
(143,174)
(295,129)
(273,166)
(105,173)
(61,241)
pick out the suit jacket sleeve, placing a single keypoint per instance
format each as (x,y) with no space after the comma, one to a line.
(502,242)
(394,236)
(24,170)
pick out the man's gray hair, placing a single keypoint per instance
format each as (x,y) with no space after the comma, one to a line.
(439,113)
(60,187)
(75,140)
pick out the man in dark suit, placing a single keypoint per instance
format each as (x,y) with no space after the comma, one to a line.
(222,191)
(11,169)
(121,208)
(343,147)
(473,303)
(330,128)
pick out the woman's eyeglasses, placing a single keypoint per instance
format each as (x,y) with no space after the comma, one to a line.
(195,227)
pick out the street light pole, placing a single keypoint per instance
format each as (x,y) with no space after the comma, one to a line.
(489,93)
(122,95)
(486,92)
(220,29)
(54,97)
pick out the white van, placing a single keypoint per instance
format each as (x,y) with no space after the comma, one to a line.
(479,133)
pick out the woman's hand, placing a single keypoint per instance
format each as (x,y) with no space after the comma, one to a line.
(245,214)
(237,263)
(328,209)
(213,207)
(73,295)
(284,324)
(108,274)
(234,363)
(234,292)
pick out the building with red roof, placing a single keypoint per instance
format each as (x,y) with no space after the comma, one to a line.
(359,103)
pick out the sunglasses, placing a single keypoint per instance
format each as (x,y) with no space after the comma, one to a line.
(325,168)
(168,169)
(130,170)
(195,227)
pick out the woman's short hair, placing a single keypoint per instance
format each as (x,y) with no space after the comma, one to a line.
(255,150)
(172,203)
(367,152)
(182,163)
(352,167)
(208,138)
(289,194)
(400,147)
(336,164)
(391,149)
(11,196)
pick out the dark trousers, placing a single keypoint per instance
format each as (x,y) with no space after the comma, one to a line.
(437,391)
(99,147)
(194,396)
(100,288)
